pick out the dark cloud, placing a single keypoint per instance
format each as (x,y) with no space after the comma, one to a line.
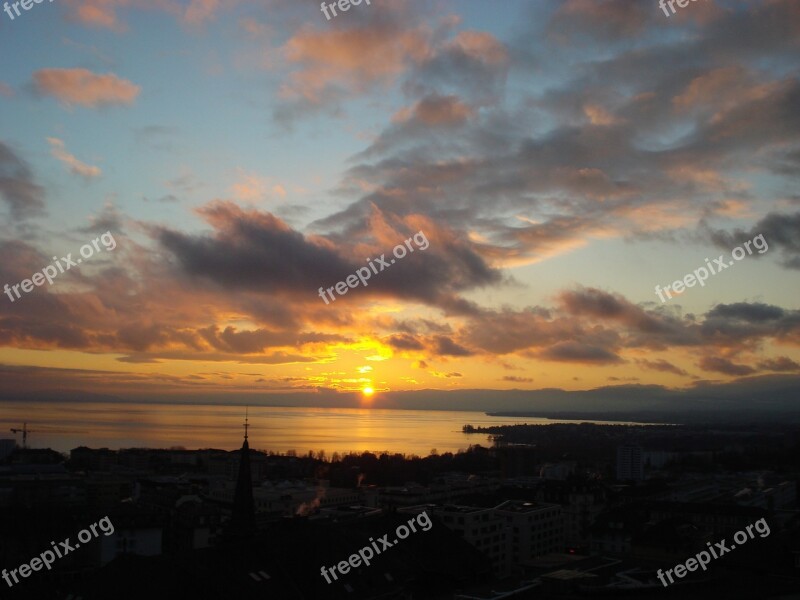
(431,116)
(723,365)
(109,219)
(579,353)
(749,312)
(780,232)
(404,341)
(661,365)
(255,341)
(24,197)
(579,21)
(255,250)
(516,379)
(780,364)
(473,63)
(741,322)
(445,346)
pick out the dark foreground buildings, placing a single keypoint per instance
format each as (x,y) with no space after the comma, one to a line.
(563,512)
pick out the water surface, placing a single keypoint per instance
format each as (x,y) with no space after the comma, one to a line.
(118,425)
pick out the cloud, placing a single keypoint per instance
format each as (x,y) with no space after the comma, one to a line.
(252,187)
(782,363)
(58,150)
(598,19)
(332,61)
(723,365)
(84,88)
(780,231)
(516,379)
(441,375)
(594,326)
(103,13)
(255,250)
(579,353)
(435,110)
(429,117)
(24,197)
(97,13)
(661,365)
(404,341)
(200,11)
(108,219)
(502,160)
(165,199)
(445,346)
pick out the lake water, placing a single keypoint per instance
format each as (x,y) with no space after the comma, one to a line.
(123,425)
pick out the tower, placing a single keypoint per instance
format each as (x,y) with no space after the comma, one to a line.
(243,517)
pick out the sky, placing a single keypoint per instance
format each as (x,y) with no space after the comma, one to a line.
(564,162)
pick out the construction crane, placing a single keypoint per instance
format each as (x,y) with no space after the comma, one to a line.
(25,431)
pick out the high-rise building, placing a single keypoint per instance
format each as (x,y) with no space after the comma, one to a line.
(630,463)
(7,447)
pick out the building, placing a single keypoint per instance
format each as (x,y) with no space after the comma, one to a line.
(137,530)
(557,471)
(613,531)
(581,502)
(91,459)
(536,528)
(6,447)
(630,463)
(717,518)
(482,528)
(243,519)
(413,494)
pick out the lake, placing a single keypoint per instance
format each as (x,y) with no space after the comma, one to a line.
(126,425)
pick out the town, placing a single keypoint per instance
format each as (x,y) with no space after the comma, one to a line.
(565,509)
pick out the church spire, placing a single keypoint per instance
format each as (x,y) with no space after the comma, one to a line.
(243,517)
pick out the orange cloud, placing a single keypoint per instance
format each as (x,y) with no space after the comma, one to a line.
(598,115)
(77,167)
(81,86)
(436,110)
(253,187)
(200,11)
(100,14)
(480,46)
(357,58)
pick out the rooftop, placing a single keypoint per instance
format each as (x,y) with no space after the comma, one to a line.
(522,506)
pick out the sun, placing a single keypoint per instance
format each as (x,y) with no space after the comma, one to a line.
(368,391)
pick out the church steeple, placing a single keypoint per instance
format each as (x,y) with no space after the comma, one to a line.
(243,517)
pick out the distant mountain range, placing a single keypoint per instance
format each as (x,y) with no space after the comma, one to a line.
(760,398)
